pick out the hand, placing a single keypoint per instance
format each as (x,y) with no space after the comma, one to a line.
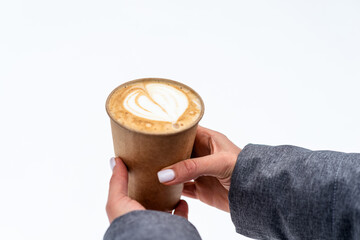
(119,203)
(214,158)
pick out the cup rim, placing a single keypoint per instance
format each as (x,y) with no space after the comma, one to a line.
(163,80)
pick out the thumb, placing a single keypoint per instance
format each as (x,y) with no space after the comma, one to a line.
(216,165)
(118,186)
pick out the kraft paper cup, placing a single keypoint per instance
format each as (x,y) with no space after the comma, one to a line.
(145,154)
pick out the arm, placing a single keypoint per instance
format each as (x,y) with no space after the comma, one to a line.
(146,224)
(288,192)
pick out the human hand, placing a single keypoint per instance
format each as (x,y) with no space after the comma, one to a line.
(119,203)
(211,166)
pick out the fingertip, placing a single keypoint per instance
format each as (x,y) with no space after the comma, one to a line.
(180,172)
(118,160)
(115,161)
(182,209)
(182,203)
(166,175)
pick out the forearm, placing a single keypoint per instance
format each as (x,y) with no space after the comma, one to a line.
(288,192)
(146,224)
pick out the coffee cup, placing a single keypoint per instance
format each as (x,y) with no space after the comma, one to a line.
(153,123)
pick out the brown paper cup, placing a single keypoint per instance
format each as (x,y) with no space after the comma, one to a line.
(147,153)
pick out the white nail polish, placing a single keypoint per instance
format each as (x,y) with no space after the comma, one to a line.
(112,163)
(166,175)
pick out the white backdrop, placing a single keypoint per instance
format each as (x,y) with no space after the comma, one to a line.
(271,72)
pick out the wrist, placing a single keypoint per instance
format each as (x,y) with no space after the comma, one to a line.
(229,159)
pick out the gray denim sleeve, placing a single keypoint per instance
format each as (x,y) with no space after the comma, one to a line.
(288,192)
(149,225)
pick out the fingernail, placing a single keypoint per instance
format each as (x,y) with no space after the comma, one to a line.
(166,175)
(112,163)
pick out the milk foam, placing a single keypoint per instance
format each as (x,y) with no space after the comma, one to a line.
(158,102)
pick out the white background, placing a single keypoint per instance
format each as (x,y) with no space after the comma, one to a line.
(271,72)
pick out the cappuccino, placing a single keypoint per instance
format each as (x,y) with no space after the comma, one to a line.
(153,124)
(155,106)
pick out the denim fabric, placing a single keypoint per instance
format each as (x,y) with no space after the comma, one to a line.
(151,225)
(288,192)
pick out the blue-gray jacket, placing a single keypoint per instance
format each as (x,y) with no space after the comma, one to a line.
(282,192)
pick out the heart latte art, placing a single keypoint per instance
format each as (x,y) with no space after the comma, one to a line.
(155,106)
(157,102)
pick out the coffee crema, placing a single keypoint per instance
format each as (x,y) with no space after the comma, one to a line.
(155,105)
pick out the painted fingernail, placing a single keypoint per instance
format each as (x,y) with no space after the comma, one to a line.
(166,175)
(112,163)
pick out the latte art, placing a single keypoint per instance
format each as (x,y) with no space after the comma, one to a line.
(157,102)
(155,105)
